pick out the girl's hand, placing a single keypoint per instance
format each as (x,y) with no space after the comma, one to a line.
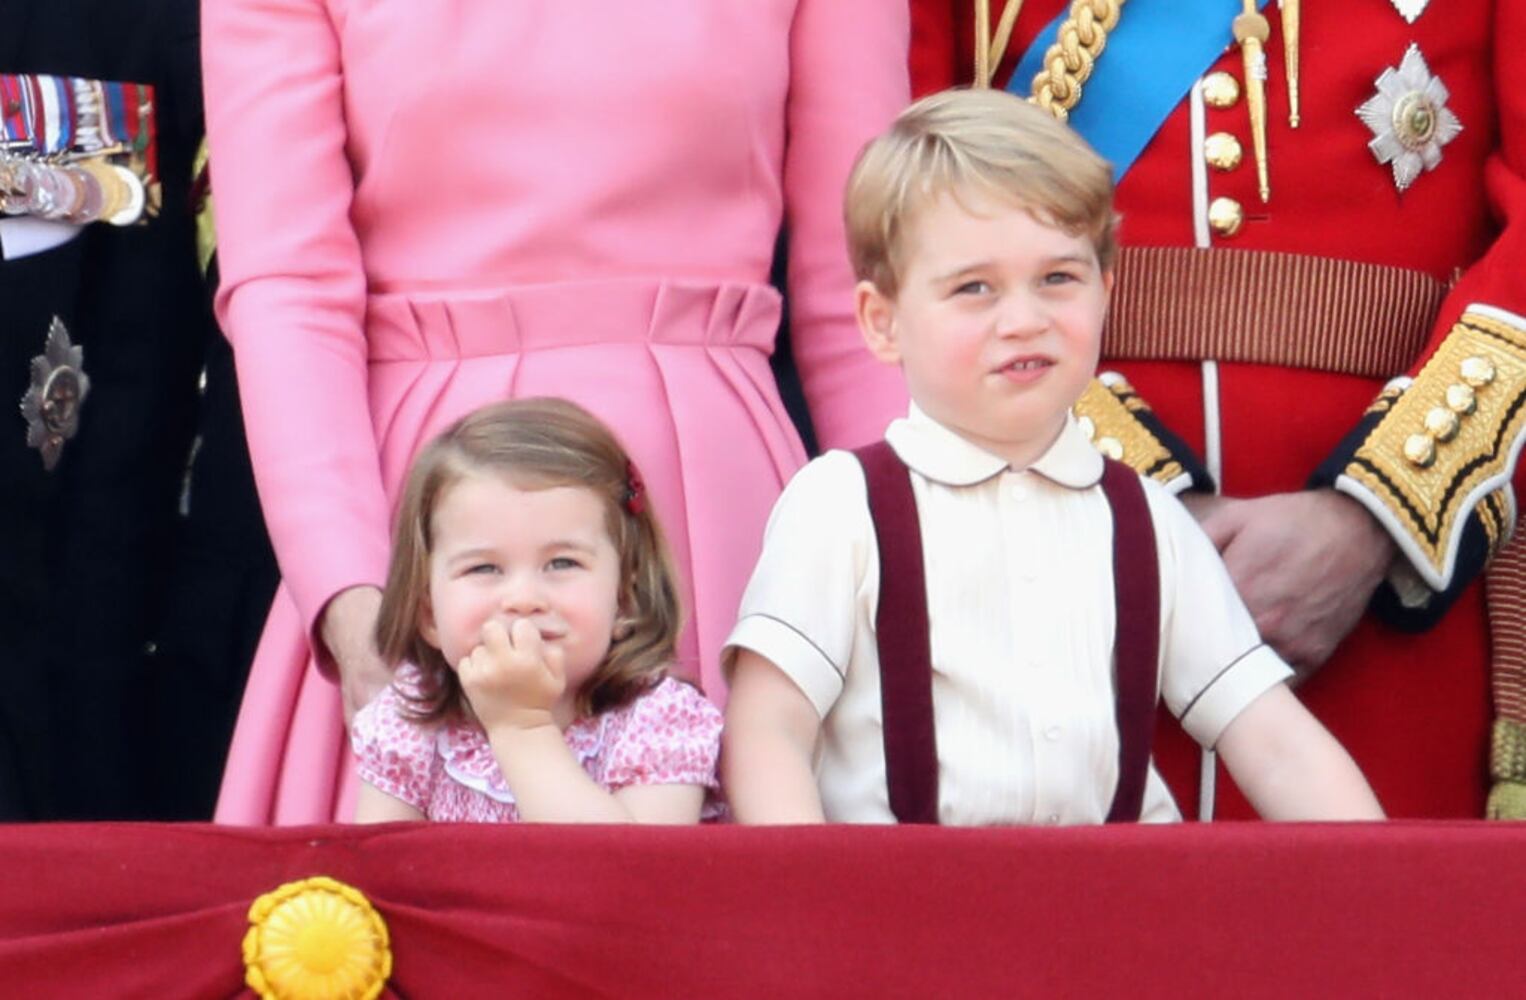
(511,679)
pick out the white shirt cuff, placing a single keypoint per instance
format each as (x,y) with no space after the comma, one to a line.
(793,653)
(1231,692)
(25,236)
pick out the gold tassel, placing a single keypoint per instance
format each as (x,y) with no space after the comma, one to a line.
(1290,55)
(982,43)
(1251,31)
(1003,36)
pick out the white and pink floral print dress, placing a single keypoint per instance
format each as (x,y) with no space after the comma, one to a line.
(446,770)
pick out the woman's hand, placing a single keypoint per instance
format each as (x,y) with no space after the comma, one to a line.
(512,679)
(348,629)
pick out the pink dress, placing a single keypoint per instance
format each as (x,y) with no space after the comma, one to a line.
(423,208)
(669,736)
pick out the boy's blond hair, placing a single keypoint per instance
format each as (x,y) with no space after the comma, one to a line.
(960,141)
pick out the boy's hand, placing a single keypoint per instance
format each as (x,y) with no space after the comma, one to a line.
(511,679)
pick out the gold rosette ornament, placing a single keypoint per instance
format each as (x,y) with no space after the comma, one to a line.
(317,939)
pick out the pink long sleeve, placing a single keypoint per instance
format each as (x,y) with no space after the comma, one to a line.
(848,80)
(292,298)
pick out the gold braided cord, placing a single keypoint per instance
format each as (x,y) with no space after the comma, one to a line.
(1069,61)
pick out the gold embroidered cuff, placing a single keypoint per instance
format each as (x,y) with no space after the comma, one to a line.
(1118,423)
(201,205)
(1507,764)
(1445,445)
(1507,757)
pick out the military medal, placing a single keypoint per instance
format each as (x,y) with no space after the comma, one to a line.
(75,150)
(1409,118)
(59,386)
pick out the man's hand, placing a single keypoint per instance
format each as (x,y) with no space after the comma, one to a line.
(512,679)
(1306,565)
(348,629)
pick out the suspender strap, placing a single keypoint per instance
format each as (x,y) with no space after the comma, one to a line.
(1136,643)
(900,625)
(905,651)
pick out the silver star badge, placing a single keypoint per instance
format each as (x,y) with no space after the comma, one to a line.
(1409,118)
(59,385)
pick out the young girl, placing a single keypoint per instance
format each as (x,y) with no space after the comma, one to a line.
(531,613)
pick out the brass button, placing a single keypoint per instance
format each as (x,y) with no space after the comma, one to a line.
(1220,90)
(1441,423)
(1477,372)
(1225,216)
(1111,447)
(1460,399)
(1420,449)
(1222,151)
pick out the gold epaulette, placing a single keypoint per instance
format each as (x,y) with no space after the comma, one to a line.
(1444,446)
(1114,418)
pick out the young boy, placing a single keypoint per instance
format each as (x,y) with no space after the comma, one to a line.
(982,233)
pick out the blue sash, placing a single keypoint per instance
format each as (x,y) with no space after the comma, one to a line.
(1152,59)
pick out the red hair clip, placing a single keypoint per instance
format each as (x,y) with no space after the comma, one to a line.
(635,490)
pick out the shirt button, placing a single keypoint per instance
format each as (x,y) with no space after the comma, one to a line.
(1054,819)
(1052,734)
(1017,491)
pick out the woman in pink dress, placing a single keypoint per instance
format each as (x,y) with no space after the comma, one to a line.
(426,207)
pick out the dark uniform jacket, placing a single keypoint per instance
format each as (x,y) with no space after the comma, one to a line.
(93,554)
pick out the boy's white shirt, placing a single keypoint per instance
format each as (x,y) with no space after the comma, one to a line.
(1021,613)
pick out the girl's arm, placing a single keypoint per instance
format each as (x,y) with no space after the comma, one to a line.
(372,805)
(1290,767)
(513,684)
(550,786)
(769,739)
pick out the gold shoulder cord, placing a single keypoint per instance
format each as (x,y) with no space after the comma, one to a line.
(1067,64)
(1069,61)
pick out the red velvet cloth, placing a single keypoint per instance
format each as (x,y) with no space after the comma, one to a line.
(1405,909)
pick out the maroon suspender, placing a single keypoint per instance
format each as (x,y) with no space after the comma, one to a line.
(1136,634)
(911,753)
(900,629)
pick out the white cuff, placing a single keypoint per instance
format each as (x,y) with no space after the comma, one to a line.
(1231,692)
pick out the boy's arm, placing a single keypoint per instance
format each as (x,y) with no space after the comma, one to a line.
(1290,767)
(767,745)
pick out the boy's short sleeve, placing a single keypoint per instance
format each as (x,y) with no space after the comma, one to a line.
(815,588)
(393,753)
(1213,662)
(669,736)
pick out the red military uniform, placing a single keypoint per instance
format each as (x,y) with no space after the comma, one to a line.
(1294,403)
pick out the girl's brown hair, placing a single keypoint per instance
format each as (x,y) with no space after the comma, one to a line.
(534,444)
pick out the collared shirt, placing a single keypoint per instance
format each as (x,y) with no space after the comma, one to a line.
(1021,616)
